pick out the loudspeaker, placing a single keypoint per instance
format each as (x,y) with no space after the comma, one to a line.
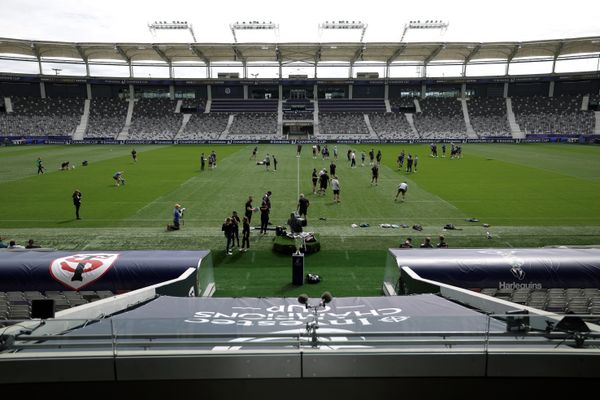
(298,269)
(42,308)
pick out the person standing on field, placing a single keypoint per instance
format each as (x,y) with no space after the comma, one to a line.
(249,209)
(40,166)
(235,220)
(335,186)
(77,202)
(374,174)
(303,204)
(245,235)
(227,229)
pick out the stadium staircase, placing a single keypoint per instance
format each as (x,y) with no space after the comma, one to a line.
(125,131)
(224,134)
(388,107)
(597,127)
(411,122)
(178,106)
(585,102)
(515,130)
(8,105)
(372,133)
(186,119)
(82,127)
(417,105)
(470,131)
(208,106)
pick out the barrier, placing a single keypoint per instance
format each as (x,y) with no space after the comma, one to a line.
(524,268)
(117,271)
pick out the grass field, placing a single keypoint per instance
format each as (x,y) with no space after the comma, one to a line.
(531,194)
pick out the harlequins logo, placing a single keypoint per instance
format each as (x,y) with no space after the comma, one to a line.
(80,270)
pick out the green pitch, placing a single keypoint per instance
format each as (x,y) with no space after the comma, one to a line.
(530,194)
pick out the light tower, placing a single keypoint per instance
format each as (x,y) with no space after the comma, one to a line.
(253,25)
(425,24)
(356,25)
(173,25)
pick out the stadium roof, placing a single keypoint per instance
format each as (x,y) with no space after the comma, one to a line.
(285,53)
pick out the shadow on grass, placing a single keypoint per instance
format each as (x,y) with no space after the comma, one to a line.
(66,221)
(220,258)
(286,289)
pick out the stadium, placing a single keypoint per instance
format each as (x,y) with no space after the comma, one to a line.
(504,168)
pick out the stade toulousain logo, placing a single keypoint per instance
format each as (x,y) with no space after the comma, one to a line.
(79,270)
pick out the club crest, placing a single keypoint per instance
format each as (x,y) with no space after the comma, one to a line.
(79,270)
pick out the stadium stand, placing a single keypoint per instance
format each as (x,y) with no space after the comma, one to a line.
(155,119)
(339,125)
(253,125)
(557,300)
(488,116)
(107,117)
(17,305)
(392,126)
(553,115)
(440,118)
(34,116)
(204,126)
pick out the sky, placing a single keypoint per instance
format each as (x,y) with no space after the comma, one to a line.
(127,20)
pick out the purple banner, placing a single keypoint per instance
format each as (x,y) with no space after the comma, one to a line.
(117,271)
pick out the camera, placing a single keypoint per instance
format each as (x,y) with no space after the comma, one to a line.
(183,209)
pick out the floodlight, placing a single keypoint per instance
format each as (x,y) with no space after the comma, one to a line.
(428,24)
(252,25)
(356,25)
(175,25)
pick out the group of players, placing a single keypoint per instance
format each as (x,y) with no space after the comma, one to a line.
(455,150)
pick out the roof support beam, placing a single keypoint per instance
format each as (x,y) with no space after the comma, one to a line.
(557,53)
(317,59)
(396,54)
(36,52)
(431,56)
(512,55)
(84,58)
(203,57)
(126,58)
(199,54)
(391,59)
(357,55)
(279,61)
(166,59)
(469,58)
(238,56)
